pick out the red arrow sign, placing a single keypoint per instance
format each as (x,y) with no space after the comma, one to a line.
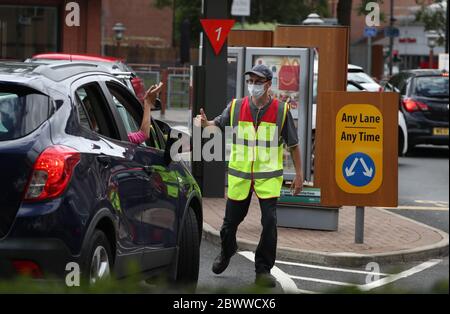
(217,32)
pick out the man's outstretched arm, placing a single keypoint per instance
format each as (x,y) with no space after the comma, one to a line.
(297,184)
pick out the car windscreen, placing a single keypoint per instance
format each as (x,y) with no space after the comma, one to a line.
(360,78)
(22,111)
(431,86)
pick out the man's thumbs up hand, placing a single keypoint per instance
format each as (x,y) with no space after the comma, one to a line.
(201,119)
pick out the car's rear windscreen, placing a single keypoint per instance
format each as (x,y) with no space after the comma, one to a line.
(22,110)
(431,86)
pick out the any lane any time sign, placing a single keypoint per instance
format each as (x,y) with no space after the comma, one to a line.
(356,157)
(359,148)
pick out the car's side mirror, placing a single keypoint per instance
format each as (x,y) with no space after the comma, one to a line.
(157,106)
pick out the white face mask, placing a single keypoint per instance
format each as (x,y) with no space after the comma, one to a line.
(256,90)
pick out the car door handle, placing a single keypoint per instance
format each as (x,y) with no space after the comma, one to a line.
(104,160)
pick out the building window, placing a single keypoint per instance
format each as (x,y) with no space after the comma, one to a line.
(27,30)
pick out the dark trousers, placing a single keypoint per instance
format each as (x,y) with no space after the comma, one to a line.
(235,213)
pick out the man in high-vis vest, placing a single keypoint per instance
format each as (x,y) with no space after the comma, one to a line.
(260,126)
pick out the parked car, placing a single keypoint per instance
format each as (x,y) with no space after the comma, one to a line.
(424,102)
(116,66)
(356,74)
(74,189)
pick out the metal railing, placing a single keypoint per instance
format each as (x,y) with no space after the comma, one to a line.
(175,92)
(150,73)
(178,91)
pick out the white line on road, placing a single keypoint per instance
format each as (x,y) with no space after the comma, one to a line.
(331,282)
(332,268)
(287,284)
(416,208)
(436,203)
(404,274)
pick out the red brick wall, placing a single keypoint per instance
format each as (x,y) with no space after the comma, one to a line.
(87,37)
(145,24)
(83,39)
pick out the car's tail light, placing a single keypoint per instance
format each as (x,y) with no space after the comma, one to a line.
(412,105)
(27,268)
(139,88)
(51,173)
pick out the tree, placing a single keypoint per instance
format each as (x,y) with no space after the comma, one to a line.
(184,10)
(345,8)
(344,12)
(286,11)
(279,11)
(362,8)
(433,17)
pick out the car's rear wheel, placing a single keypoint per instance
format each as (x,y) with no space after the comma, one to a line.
(189,251)
(97,259)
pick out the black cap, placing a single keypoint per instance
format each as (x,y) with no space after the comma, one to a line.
(262,71)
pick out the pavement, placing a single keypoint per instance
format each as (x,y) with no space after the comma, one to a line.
(389,237)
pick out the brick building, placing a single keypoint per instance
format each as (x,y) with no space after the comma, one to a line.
(145,24)
(28,27)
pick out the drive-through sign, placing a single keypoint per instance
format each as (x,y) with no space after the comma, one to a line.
(359,148)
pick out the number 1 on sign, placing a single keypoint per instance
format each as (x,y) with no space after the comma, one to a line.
(218,31)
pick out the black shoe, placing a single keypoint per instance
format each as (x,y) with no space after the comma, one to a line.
(220,263)
(265,280)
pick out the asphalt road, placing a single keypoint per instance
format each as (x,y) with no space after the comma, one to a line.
(423,196)
(423,176)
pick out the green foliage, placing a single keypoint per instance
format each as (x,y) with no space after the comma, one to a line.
(433,19)
(130,285)
(285,11)
(184,9)
(268,11)
(161,285)
(361,9)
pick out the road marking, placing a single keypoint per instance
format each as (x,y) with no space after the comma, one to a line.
(331,282)
(436,203)
(287,284)
(332,268)
(404,274)
(416,208)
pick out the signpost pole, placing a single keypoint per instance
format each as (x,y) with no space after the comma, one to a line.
(359,225)
(214,88)
(391,39)
(369,55)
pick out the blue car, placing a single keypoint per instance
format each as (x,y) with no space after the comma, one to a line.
(73,189)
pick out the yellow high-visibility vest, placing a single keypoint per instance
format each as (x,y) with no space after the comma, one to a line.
(256,157)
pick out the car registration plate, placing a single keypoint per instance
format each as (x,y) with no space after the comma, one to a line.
(440,131)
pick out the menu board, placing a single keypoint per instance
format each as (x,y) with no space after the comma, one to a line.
(286,77)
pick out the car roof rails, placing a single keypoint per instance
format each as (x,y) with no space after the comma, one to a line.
(60,71)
